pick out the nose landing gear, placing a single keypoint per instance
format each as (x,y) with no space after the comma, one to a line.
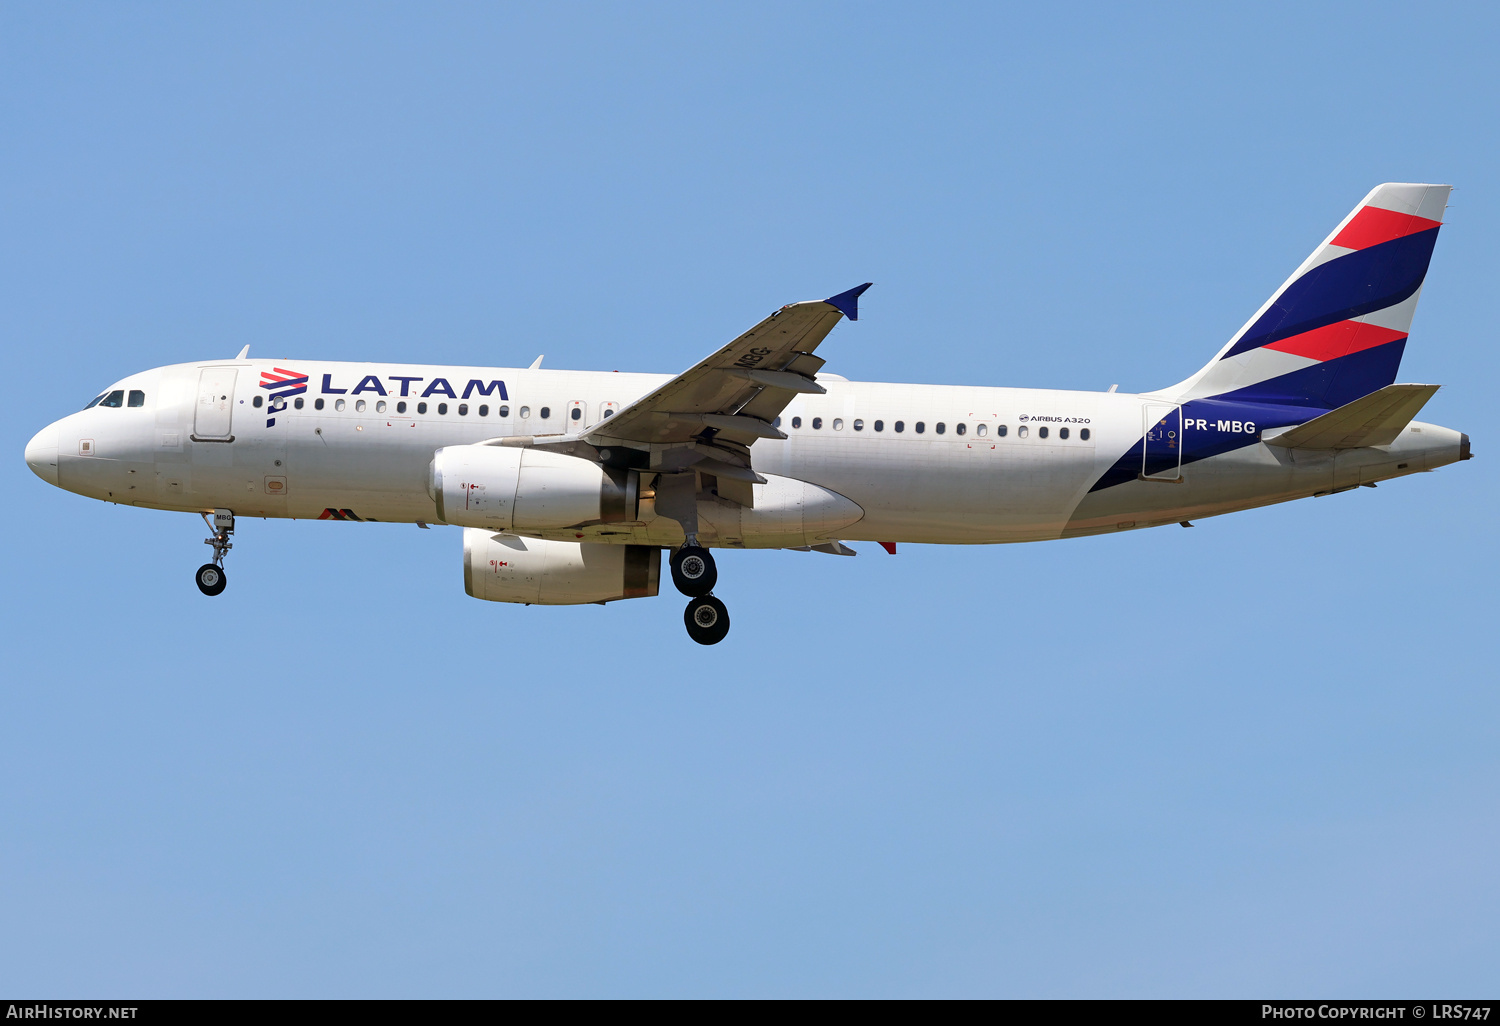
(210,577)
(694,574)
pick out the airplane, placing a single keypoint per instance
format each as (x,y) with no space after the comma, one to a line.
(569,484)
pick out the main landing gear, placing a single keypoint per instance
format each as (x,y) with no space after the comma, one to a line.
(210,576)
(694,574)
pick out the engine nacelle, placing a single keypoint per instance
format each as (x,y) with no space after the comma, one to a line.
(508,568)
(505,488)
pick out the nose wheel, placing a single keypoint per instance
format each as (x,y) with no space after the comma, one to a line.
(210,576)
(707,620)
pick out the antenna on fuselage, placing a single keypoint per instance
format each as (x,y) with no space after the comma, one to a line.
(243,353)
(537,363)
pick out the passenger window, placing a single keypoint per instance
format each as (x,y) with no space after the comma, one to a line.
(484,410)
(959,429)
(838,424)
(359,405)
(421,407)
(463,409)
(900,426)
(610,413)
(442,409)
(1062,433)
(503,411)
(880,425)
(137,397)
(380,406)
(941,427)
(401,407)
(338,404)
(115,399)
(817,423)
(1001,430)
(796,422)
(256,402)
(921,426)
(1022,431)
(317,404)
(1084,434)
(546,412)
(859,425)
(525,412)
(298,402)
(982,430)
(576,414)
(1041,432)
(774,423)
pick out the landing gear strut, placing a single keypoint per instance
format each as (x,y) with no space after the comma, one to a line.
(210,576)
(694,574)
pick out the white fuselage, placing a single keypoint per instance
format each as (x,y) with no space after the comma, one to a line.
(977,470)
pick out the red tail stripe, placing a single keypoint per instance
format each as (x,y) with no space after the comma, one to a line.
(1374,225)
(1336,340)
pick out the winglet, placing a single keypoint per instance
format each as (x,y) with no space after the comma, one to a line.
(847,303)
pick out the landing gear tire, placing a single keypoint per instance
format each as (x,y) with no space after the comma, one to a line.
(210,578)
(707,620)
(693,572)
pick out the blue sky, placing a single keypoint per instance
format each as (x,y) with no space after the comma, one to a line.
(1254,758)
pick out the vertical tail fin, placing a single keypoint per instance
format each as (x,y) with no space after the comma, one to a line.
(1336,329)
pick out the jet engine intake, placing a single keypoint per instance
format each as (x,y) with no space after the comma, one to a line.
(509,568)
(503,488)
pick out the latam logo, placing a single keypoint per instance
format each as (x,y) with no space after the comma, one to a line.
(437,386)
(282,384)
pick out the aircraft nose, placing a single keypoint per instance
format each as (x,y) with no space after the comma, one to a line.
(41,454)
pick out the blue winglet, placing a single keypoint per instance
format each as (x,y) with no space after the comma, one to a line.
(848,302)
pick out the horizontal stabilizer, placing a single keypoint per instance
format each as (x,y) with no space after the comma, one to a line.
(1377,419)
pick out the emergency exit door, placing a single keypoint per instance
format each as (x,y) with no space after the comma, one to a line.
(1161,454)
(213,416)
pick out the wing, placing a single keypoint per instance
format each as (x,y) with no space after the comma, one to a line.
(729,400)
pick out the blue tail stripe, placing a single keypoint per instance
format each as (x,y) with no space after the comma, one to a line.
(1350,286)
(1329,384)
(1290,399)
(1200,443)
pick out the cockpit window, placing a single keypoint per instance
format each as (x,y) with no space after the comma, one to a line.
(115,399)
(95,401)
(137,397)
